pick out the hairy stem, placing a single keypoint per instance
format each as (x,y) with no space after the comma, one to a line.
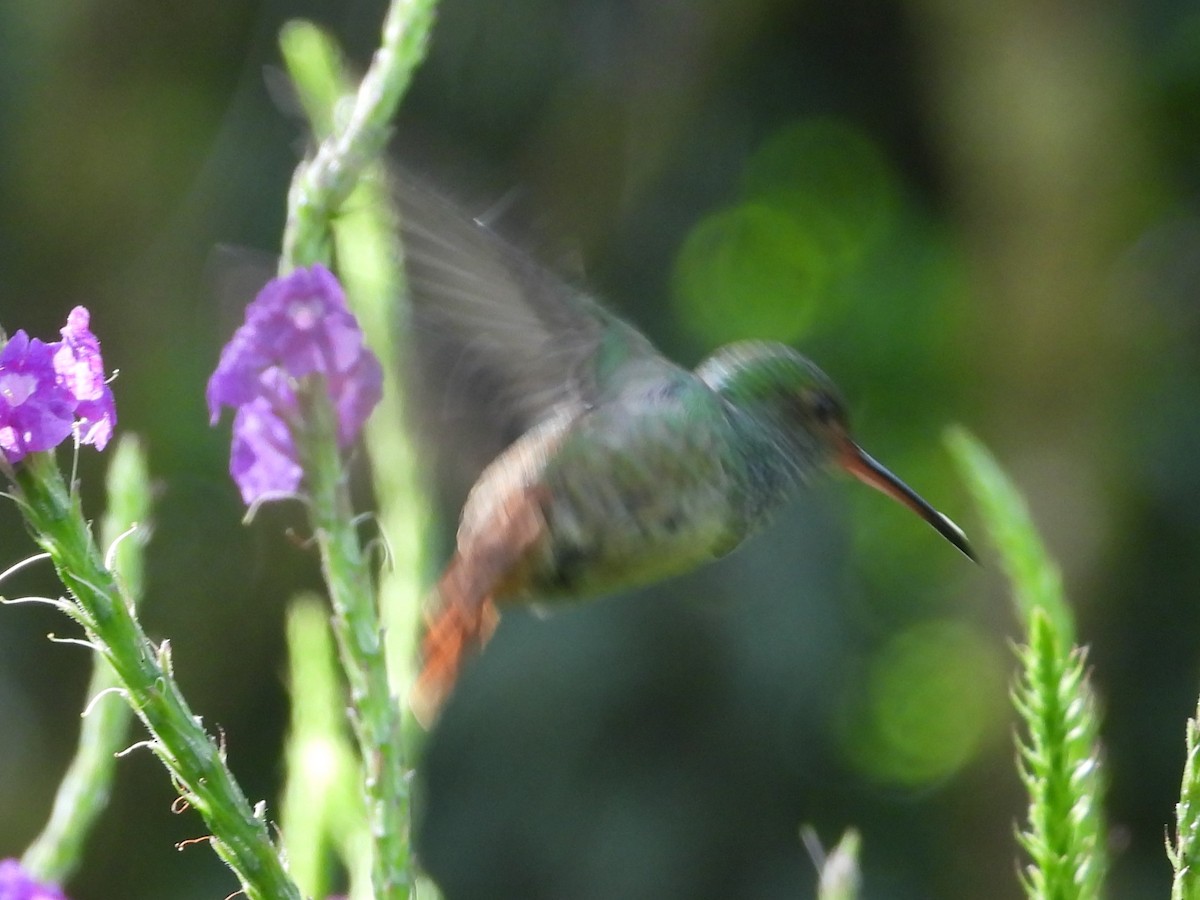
(195,760)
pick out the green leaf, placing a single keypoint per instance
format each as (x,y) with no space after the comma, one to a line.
(1036,580)
(1058,756)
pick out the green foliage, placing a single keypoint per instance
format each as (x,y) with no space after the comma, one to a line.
(129,498)
(339,202)
(194,759)
(1035,579)
(840,877)
(368,255)
(322,811)
(1059,762)
(85,788)
(1058,753)
(144,671)
(1185,853)
(322,185)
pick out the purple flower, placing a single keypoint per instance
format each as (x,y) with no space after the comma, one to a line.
(46,388)
(356,392)
(15,884)
(37,409)
(297,326)
(77,360)
(263,458)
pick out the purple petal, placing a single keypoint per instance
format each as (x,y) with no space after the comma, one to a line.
(297,326)
(355,394)
(79,364)
(263,459)
(298,321)
(77,358)
(96,420)
(304,324)
(15,884)
(37,410)
(235,380)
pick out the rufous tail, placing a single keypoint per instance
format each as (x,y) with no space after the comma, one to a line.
(455,631)
(487,568)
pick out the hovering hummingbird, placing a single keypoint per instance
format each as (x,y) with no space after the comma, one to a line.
(624,468)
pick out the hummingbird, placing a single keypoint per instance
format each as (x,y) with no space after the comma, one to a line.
(621,468)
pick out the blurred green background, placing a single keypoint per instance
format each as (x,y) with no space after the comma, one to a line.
(977,213)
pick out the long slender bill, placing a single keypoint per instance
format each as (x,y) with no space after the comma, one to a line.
(862,466)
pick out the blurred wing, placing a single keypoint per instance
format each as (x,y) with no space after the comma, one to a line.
(500,336)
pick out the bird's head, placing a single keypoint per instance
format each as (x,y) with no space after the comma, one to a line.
(797,404)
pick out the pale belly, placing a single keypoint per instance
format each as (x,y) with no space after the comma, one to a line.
(629,506)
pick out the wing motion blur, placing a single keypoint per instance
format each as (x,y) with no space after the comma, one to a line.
(501,342)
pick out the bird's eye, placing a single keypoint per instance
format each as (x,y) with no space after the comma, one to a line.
(825,408)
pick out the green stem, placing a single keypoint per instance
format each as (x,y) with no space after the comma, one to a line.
(840,875)
(348,152)
(194,759)
(369,257)
(322,806)
(1059,763)
(322,184)
(85,788)
(374,710)
(1059,753)
(1034,576)
(1185,853)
